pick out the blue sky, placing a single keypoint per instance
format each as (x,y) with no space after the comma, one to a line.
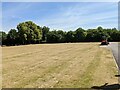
(60,15)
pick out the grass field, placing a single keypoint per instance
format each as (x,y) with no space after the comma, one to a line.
(58,65)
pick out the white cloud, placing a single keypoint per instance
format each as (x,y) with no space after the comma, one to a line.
(77,16)
(87,15)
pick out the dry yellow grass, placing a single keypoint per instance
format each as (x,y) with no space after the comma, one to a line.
(57,65)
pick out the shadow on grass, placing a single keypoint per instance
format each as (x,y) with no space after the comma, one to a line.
(107,87)
(117,75)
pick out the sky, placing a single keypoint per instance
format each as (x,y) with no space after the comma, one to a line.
(60,0)
(60,15)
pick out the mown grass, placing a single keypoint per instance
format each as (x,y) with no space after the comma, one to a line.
(58,65)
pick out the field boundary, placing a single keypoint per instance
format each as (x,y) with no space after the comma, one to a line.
(114,58)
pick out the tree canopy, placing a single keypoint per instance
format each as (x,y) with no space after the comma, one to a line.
(31,33)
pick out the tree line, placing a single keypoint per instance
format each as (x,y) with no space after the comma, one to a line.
(30,33)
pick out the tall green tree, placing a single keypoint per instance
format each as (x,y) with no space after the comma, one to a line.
(70,36)
(56,36)
(45,30)
(12,37)
(61,35)
(80,35)
(29,32)
(115,35)
(3,37)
